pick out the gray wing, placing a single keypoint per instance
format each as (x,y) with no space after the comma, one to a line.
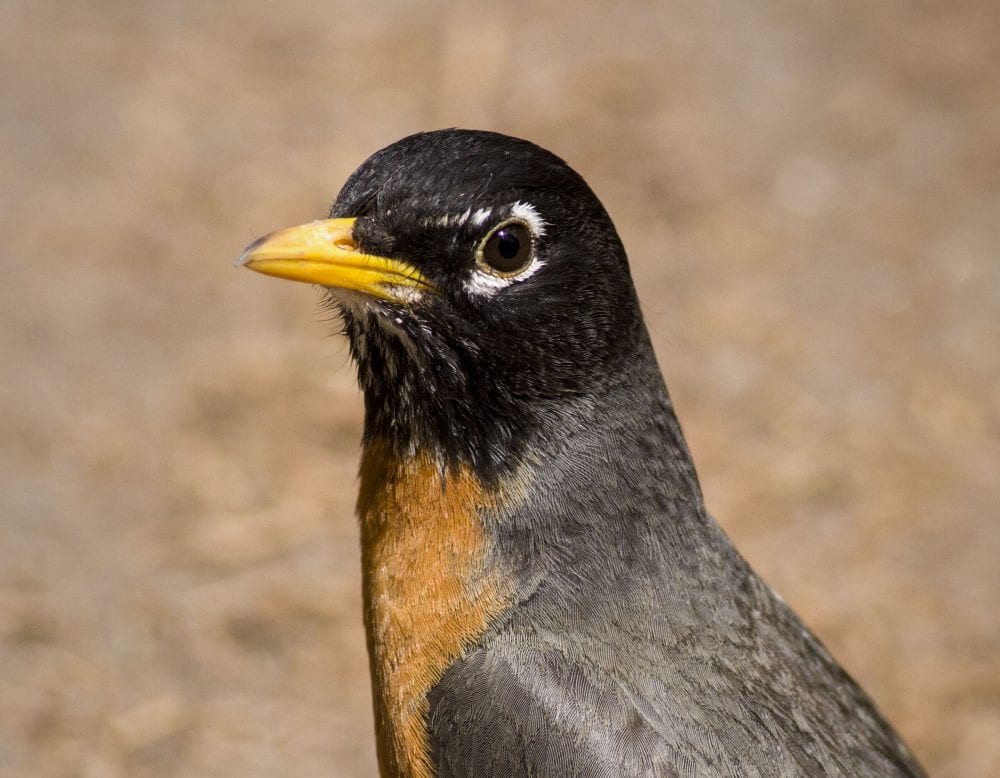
(539,702)
(536,715)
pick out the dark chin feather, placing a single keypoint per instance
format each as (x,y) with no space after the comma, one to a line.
(424,390)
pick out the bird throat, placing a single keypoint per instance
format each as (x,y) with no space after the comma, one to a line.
(425,391)
(430,590)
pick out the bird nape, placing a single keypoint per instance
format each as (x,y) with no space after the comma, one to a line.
(544,591)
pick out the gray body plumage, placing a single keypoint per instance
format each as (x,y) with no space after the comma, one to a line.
(641,642)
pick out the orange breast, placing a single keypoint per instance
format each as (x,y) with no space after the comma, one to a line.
(430,590)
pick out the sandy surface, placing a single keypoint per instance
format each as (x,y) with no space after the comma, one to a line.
(810,194)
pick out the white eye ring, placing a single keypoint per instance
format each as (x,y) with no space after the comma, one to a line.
(507,250)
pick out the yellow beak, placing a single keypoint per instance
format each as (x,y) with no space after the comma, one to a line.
(324,252)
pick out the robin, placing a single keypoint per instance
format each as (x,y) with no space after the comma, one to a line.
(545,593)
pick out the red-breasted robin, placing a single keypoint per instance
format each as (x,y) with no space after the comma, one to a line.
(544,591)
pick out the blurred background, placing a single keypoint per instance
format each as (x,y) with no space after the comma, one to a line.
(810,194)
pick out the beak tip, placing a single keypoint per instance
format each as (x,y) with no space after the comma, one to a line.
(246,256)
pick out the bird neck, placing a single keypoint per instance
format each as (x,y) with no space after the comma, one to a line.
(623,443)
(443,542)
(608,486)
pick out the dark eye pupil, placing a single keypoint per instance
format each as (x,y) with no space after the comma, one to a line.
(508,249)
(507,244)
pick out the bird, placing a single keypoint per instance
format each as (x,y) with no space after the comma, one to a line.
(544,590)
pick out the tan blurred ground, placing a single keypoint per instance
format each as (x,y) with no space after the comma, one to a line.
(811,198)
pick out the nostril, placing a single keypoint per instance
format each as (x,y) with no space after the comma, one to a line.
(345,243)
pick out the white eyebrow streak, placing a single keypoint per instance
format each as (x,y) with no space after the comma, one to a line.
(448,219)
(520,210)
(479,217)
(455,219)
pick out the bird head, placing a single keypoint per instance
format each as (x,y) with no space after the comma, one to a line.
(483,289)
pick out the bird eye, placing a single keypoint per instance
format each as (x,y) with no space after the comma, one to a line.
(507,249)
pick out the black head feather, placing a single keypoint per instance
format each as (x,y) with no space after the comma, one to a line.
(474,369)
